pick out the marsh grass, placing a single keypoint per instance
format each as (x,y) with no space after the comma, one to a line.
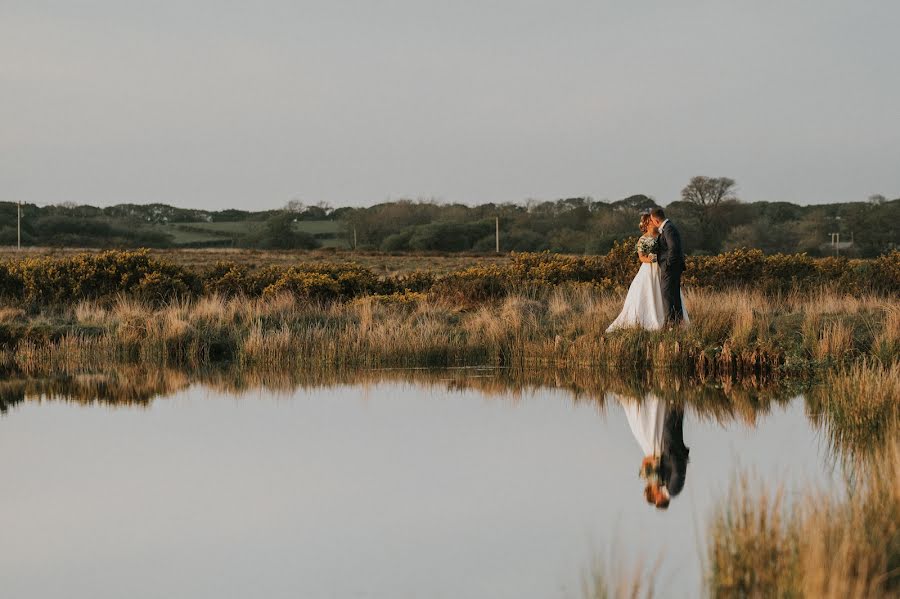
(733,333)
(825,543)
(612,579)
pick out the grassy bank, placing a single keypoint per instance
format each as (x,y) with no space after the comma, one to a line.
(734,333)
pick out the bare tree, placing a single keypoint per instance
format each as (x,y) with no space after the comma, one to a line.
(294,205)
(711,198)
(707,192)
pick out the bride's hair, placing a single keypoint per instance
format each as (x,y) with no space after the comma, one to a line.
(645,223)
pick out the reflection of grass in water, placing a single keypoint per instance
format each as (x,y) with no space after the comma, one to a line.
(744,399)
(825,544)
(858,407)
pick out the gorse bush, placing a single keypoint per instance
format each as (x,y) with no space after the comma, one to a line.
(44,281)
(783,272)
(49,281)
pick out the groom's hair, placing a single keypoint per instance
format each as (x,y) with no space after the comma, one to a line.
(658,213)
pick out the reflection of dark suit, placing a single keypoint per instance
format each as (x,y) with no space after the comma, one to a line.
(674,459)
(670,256)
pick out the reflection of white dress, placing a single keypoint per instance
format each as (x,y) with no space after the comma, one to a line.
(646,419)
(644,304)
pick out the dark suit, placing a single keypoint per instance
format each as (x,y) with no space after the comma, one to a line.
(670,257)
(673,459)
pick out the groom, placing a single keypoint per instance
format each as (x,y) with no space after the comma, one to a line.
(670,257)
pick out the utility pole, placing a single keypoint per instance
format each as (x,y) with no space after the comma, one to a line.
(19,225)
(497,236)
(835,243)
(354,238)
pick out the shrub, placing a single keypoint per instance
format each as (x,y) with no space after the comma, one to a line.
(886,272)
(418,281)
(738,268)
(89,276)
(307,285)
(227,279)
(477,284)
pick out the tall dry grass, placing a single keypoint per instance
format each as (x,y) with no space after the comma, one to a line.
(827,543)
(614,580)
(733,333)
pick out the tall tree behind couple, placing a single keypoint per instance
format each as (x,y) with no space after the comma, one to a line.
(654,299)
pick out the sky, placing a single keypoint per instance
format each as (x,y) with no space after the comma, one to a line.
(219,104)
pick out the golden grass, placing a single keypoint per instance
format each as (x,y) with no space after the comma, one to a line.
(733,333)
(9,314)
(827,543)
(614,580)
(752,550)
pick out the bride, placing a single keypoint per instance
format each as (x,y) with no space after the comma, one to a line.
(644,303)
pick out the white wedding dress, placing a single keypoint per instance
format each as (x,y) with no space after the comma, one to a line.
(647,421)
(644,303)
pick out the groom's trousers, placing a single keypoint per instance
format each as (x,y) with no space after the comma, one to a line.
(670,281)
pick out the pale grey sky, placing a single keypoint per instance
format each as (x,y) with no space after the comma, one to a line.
(216,104)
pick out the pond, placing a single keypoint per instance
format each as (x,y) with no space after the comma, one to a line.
(381,488)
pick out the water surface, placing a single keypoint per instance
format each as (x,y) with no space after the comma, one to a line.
(384,490)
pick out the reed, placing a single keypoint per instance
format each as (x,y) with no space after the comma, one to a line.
(614,580)
(733,333)
(826,543)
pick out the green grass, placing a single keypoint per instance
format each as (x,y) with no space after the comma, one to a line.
(201,232)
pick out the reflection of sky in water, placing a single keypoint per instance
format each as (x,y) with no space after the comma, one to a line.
(390,490)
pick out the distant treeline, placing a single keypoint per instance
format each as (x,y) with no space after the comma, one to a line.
(711,218)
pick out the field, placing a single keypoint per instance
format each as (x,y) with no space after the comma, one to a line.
(380,262)
(329,233)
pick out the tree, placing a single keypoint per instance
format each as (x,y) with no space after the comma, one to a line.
(708,197)
(295,205)
(279,233)
(709,191)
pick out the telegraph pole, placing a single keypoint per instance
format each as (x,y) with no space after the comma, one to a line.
(497,235)
(19,225)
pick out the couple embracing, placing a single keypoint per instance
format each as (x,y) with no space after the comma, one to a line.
(654,300)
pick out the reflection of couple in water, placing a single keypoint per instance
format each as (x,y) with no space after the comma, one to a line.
(658,427)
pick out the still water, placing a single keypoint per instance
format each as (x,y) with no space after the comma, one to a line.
(389,489)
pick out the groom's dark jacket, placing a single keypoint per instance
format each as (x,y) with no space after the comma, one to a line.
(674,455)
(670,254)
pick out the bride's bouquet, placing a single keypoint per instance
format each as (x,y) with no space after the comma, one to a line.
(646,246)
(650,469)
